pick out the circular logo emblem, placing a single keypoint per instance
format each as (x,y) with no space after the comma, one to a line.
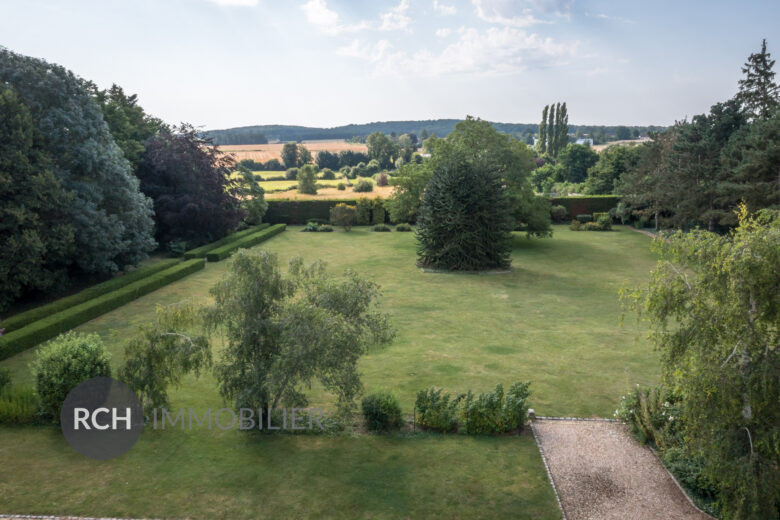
(102,418)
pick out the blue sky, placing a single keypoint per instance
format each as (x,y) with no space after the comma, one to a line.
(222,63)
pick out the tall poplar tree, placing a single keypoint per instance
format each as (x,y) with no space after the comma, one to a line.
(543,130)
(551,130)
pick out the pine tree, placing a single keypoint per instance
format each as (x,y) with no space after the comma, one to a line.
(758,93)
(543,131)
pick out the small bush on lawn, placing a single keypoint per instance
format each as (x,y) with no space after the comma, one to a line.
(66,361)
(436,411)
(381,179)
(403,227)
(341,186)
(315,227)
(382,227)
(598,214)
(363,186)
(496,412)
(327,174)
(291,174)
(5,378)
(584,218)
(591,226)
(343,215)
(382,412)
(604,222)
(575,225)
(18,406)
(558,214)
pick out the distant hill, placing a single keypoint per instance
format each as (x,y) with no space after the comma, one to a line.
(261,134)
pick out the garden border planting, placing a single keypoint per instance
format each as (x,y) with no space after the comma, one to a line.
(25,318)
(63,321)
(586,205)
(225,251)
(200,252)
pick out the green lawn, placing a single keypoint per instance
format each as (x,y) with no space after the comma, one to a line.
(554,319)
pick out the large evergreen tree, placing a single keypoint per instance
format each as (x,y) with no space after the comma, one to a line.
(111,219)
(37,239)
(758,92)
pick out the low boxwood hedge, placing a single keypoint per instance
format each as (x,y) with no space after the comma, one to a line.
(47,328)
(200,252)
(25,318)
(225,251)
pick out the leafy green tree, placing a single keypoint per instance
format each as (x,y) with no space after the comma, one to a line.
(561,128)
(409,184)
(758,92)
(545,176)
(613,162)
(130,126)
(163,352)
(551,133)
(326,159)
(622,133)
(38,242)
(195,198)
(382,148)
(304,155)
(284,331)
(111,219)
(575,160)
(714,307)
(543,131)
(252,197)
(307,180)
(344,215)
(290,155)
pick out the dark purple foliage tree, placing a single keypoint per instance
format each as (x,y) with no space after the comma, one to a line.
(189,181)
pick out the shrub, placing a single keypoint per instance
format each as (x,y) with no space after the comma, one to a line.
(324,228)
(558,214)
(18,406)
(201,251)
(575,225)
(381,179)
(378,213)
(316,227)
(591,226)
(598,214)
(343,215)
(5,378)
(177,248)
(363,186)
(63,321)
(341,186)
(403,227)
(604,222)
(363,209)
(307,180)
(436,411)
(382,412)
(584,218)
(327,174)
(25,318)
(291,174)
(381,227)
(494,412)
(252,240)
(64,363)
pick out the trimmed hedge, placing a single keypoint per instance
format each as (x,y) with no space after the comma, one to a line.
(25,318)
(225,251)
(60,322)
(200,252)
(586,205)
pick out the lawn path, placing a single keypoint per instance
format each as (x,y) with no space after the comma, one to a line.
(601,472)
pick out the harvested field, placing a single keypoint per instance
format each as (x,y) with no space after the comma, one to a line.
(266,152)
(331,193)
(602,473)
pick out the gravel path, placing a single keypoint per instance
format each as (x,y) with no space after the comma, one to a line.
(601,472)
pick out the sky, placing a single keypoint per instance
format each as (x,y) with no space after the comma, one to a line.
(227,63)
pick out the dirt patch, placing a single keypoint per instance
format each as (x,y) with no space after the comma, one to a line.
(601,472)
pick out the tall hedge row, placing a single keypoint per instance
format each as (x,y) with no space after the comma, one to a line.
(57,323)
(201,251)
(248,241)
(20,320)
(299,212)
(586,205)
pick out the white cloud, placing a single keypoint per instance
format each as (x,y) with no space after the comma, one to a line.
(447,10)
(504,50)
(603,16)
(243,3)
(596,71)
(443,32)
(520,13)
(396,18)
(328,21)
